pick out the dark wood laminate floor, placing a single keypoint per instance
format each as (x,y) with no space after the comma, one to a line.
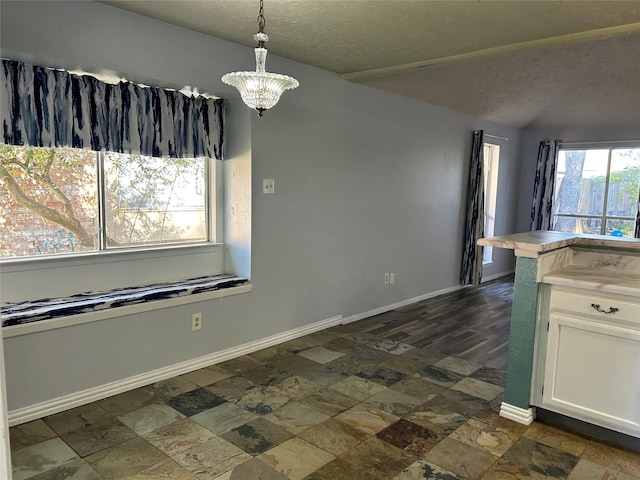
(471,323)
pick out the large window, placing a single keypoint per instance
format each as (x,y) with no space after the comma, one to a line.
(596,191)
(491,156)
(64,200)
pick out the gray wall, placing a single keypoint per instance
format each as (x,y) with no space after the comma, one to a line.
(366,183)
(531,138)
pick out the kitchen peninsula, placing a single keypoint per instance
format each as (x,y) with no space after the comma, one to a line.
(574,345)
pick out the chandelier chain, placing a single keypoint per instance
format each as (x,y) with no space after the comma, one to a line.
(261,20)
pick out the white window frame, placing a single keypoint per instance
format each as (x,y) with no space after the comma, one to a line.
(213,208)
(610,146)
(491,166)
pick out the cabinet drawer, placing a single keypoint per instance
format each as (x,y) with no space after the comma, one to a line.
(582,303)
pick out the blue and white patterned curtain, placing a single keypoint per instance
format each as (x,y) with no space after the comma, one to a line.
(42,107)
(471,272)
(543,185)
(636,232)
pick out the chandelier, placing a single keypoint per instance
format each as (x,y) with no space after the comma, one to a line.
(260,90)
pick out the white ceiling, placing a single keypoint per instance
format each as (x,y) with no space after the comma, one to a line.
(517,62)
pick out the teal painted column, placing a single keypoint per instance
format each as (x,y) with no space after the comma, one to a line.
(522,333)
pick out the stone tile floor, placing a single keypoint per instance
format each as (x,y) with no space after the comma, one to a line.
(343,404)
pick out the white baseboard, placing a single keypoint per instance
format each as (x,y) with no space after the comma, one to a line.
(60,404)
(403,303)
(521,415)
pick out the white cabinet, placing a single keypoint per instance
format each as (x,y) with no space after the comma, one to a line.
(590,358)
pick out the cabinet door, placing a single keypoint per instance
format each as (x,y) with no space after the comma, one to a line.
(593,372)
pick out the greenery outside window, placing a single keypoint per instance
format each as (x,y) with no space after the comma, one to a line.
(65,200)
(596,190)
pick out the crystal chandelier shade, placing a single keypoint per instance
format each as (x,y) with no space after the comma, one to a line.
(260,90)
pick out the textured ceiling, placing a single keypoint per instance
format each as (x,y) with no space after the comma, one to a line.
(518,62)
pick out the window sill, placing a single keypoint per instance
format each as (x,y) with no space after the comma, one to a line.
(88,317)
(17,264)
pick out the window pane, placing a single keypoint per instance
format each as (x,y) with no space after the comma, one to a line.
(153,201)
(580,183)
(49,201)
(622,228)
(577,225)
(624,180)
(491,155)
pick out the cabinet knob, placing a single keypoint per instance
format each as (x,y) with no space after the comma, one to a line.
(597,308)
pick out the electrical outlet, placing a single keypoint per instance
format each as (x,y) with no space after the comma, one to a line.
(268,185)
(196,321)
(387,278)
(392,278)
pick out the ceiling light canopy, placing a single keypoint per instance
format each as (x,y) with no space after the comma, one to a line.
(260,90)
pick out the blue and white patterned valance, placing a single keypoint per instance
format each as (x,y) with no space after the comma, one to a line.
(42,107)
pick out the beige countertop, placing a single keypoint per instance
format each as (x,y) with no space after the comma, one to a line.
(531,244)
(604,280)
(595,262)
